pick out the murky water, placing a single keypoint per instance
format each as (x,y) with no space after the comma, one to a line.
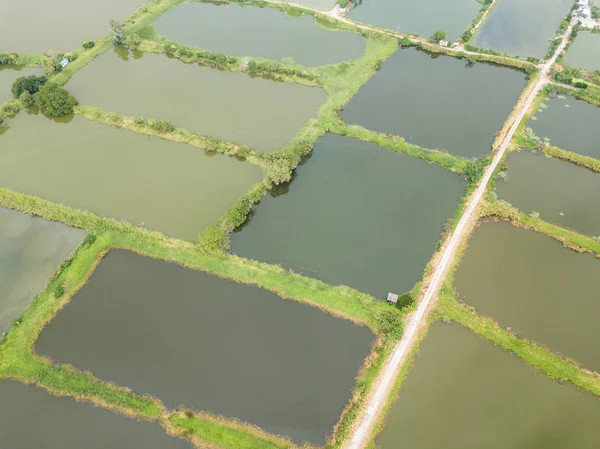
(570,124)
(465,393)
(8,75)
(165,186)
(315,4)
(561,192)
(210,344)
(355,214)
(30,417)
(584,52)
(438,102)
(31,251)
(38,26)
(530,282)
(231,106)
(418,17)
(522,27)
(265,32)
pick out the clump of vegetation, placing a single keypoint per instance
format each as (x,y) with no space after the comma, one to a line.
(438,36)
(211,239)
(51,64)
(59,291)
(88,44)
(162,126)
(54,101)
(89,239)
(27,99)
(30,84)
(8,59)
(475,170)
(115,31)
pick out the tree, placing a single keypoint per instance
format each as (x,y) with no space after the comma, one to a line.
(26,98)
(88,44)
(116,32)
(29,84)
(438,36)
(54,101)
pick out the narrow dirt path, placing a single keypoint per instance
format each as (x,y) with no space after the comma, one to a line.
(387,377)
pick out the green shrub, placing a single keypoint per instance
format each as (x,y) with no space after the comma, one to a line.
(88,44)
(31,84)
(405,300)
(211,239)
(89,239)
(59,291)
(162,126)
(581,85)
(54,101)
(27,99)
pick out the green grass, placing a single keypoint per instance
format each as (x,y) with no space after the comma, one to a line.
(575,158)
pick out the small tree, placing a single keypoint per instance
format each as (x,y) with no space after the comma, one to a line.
(116,32)
(88,44)
(438,36)
(54,101)
(27,99)
(29,84)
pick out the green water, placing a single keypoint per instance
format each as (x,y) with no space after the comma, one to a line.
(522,27)
(165,186)
(584,52)
(438,102)
(465,393)
(231,106)
(570,124)
(355,214)
(38,26)
(30,417)
(531,283)
(210,344)
(315,4)
(252,31)
(31,250)
(8,75)
(561,192)
(422,18)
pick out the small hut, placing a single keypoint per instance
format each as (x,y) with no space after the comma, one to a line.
(392,298)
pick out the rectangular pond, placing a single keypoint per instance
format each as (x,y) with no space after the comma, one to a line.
(570,124)
(584,52)
(211,344)
(561,192)
(522,27)
(30,417)
(31,251)
(265,32)
(355,214)
(231,106)
(166,186)
(465,393)
(531,283)
(40,26)
(437,101)
(422,18)
(8,75)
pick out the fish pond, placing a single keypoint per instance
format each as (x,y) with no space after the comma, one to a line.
(63,423)
(322,5)
(166,186)
(38,26)
(355,214)
(230,106)
(265,32)
(473,394)
(561,192)
(531,283)
(437,101)
(584,52)
(210,344)
(570,124)
(8,75)
(418,17)
(522,27)
(31,251)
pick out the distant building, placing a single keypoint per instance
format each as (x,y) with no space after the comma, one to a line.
(343,10)
(443,43)
(64,62)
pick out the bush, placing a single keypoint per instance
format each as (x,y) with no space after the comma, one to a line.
(54,101)
(8,59)
(211,239)
(89,239)
(581,85)
(88,44)
(59,291)
(27,99)
(31,84)
(405,300)
(162,126)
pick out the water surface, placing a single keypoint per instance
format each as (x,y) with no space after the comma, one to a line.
(570,124)
(355,214)
(315,4)
(437,102)
(265,32)
(210,344)
(561,192)
(231,106)
(31,250)
(170,187)
(30,417)
(419,17)
(584,52)
(531,283)
(522,27)
(465,393)
(39,26)
(8,75)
